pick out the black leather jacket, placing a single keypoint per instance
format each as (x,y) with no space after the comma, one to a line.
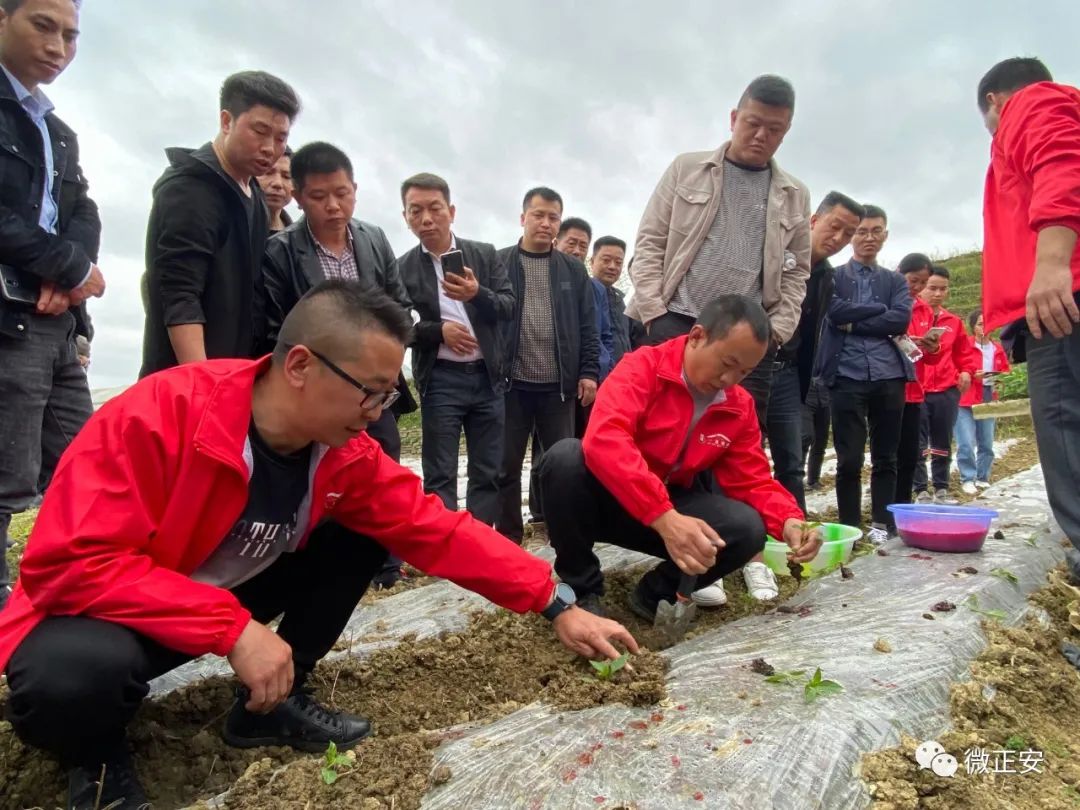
(494,303)
(36,255)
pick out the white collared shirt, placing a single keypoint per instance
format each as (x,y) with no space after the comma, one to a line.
(452,311)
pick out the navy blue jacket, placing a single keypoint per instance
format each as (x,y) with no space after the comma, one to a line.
(888,315)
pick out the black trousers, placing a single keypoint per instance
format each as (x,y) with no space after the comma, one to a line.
(459,397)
(758,382)
(816,418)
(939,414)
(384,431)
(784,429)
(581,513)
(858,405)
(908,454)
(76,682)
(552,419)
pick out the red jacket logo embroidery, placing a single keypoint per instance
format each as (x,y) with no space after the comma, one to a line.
(715,440)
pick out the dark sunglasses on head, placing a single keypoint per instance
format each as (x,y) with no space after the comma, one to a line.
(372,398)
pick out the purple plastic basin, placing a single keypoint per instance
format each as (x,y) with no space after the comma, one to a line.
(957,529)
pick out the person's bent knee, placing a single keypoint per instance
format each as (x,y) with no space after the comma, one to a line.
(743,532)
(565,457)
(73,670)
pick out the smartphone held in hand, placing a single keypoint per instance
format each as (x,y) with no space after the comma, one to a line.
(453,263)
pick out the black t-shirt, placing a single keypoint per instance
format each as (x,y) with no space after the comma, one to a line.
(265,530)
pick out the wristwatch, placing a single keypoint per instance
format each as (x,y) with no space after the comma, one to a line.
(562,600)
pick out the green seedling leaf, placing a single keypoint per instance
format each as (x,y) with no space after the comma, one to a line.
(333,763)
(972,604)
(823,688)
(786,678)
(1033,540)
(1016,743)
(605,670)
(819,687)
(1005,574)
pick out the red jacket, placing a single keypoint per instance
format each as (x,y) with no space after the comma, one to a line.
(639,424)
(921,320)
(157,477)
(954,356)
(973,396)
(1033,183)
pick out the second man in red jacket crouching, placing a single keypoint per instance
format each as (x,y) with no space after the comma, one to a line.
(671,465)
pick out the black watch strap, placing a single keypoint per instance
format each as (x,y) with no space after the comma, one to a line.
(564,600)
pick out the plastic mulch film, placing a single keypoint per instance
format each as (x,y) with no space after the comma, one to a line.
(726,738)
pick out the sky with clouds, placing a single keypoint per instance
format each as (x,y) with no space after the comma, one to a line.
(590,98)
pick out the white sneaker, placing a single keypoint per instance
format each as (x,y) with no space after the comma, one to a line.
(924,497)
(711,595)
(878,535)
(968,488)
(982,484)
(760,581)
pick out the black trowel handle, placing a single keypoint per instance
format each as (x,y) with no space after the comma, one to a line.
(687,585)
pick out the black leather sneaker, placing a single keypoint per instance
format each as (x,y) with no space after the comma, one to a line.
(298,722)
(121,789)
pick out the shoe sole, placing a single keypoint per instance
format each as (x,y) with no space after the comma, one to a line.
(308,746)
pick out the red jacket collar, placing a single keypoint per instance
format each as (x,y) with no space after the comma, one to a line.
(223,428)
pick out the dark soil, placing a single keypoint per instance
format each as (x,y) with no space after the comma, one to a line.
(1022,694)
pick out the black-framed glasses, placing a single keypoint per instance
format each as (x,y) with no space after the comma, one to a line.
(372,398)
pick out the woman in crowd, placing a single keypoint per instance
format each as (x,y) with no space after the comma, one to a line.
(277,185)
(975,438)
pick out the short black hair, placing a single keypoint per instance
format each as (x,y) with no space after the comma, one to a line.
(874,212)
(249,88)
(544,193)
(913,263)
(835,198)
(11,6)
(318,157)
(608,241)
(774,91)
(939,270)
(1010,75)
(577,223)
(426,180)
(722,314)
(320,319)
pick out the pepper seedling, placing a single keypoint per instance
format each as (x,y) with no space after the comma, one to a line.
(605,670)
(335,765)
(786,678)
(818,687)
(1005,574)
(972,604)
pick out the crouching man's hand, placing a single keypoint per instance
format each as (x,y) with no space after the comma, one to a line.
(591,636)
(804,544)
(264,664)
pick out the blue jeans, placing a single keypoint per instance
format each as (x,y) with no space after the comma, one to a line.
(45,401)
(975,435)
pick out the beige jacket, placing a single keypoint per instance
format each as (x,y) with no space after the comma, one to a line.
(678,217)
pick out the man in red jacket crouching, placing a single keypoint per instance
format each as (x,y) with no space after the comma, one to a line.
(666,414)
(207,500)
